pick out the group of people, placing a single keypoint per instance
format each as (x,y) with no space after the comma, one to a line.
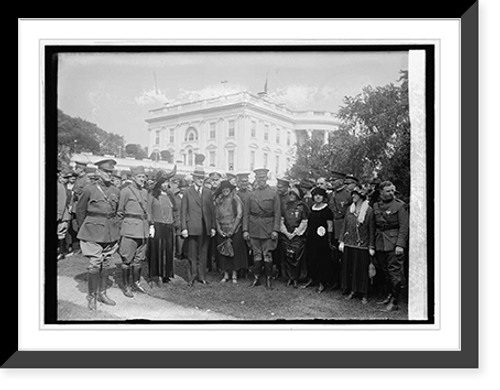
(322,234)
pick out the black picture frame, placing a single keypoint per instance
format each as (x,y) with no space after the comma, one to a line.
(466,357)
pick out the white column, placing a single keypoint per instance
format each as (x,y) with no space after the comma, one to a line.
(417,289)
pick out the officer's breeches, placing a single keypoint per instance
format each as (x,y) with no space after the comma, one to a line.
(133,251)
(99,254)
(262,249)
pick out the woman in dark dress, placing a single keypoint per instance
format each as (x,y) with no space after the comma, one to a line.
(160,252)
(228,221)
(293,237)
(319,240)
(357,242)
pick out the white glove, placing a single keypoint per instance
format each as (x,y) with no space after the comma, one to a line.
(151,231)
(184,233)
(341,247)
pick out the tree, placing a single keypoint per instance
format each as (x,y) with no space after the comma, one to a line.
(136,150)
(78,135)
(373,138)
(165,155)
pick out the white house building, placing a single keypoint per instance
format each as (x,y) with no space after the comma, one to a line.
(235,133)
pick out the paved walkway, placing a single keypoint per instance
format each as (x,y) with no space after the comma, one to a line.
(141,307)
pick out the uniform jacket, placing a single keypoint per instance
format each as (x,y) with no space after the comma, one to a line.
(358,235)
(262,213)
(132,210)
(96,213)
(197,211)
(63,202)
(81,182)
(339,202)
(392,225)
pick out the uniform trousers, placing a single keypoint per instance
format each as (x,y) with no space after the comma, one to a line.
(262,248)
(132,251)
(392,267)
(99,254)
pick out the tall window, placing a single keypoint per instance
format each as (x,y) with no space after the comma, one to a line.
(157,139)
(212,130)
(277,166)
(230,160)
(190,158)
(266,132)
(171,137)
(211,158)
(288,139)
(265,160)
(253,129)
(231,128)
(277,135)
(252,160)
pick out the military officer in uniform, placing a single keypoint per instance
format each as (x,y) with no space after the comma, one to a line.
(243,191)
(261,224)
(99,230)
(391,240)
(82,180)
(134,231)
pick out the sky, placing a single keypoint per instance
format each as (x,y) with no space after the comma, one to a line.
(116,90)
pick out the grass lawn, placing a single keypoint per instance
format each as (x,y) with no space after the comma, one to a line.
(251,304)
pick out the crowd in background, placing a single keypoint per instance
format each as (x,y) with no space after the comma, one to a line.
(328,233)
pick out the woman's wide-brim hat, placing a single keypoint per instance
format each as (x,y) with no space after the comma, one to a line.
(319,191)
(162,175)
(360,191)
(226,184)
(297,191)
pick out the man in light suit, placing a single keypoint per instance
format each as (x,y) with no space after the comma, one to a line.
(197,226)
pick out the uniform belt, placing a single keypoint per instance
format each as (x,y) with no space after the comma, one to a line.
(262,215)
(103,215)
(388,226)
(137,216)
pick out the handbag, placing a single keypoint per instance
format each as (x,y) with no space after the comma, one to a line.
(225,248)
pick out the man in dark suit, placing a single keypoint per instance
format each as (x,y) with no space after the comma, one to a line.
(197,226)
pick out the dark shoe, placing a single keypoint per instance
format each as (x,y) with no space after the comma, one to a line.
(127,291)
(269,284)
(295,284)
(386,300)
(308,283)
(289,283)
(255,283)
(321,288)
(391,307)
(103,298)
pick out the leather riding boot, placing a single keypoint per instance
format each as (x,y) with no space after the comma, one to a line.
(103,286)
(256,274)
(137,279)
(127,290)
(269,275)
(93,280)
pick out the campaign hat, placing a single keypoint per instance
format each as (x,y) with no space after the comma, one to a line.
(138,170)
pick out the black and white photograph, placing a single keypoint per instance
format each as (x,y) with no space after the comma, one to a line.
(250,194)
(239,184)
